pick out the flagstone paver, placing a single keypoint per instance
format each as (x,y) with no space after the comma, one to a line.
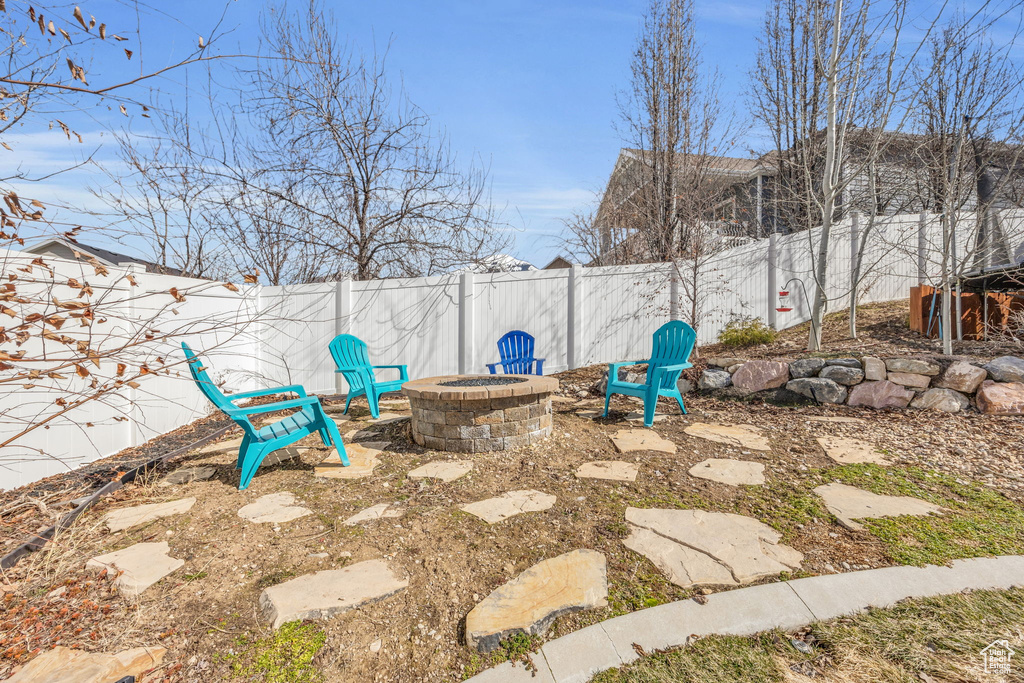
(732,472)
(694,547)
(222,446)
(360,434)
(379,511)
(589,414)
(273,508)
(850,451)
(626,440)
(126,518)
(64,665)
(848,503)
(362,459)
(141,565)
(445,470)
(509,504)
(388,418)
(743,436)
(325,593)
(572,582)
(187,475)
(612,470)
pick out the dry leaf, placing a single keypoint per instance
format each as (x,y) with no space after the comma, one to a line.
(230,286)
(81,20)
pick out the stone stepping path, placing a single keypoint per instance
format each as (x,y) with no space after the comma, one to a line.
(187,475)
(273,508)
(742,436)
(379,511)
(848,503)
(731,472)
(360,434)
(323,594)
(126,518)
(141,565)
(850,451)
(64,665)
(493,510)
(627,440)
(571,582)
(694,547)
(612,470)
(231,445)
(362,459)
(589,414)
(387,418)
(443,470)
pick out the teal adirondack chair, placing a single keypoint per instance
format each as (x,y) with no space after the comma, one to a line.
(353,363)
(673,344)
(258,443)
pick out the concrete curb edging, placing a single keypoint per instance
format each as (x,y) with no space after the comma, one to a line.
(578,656)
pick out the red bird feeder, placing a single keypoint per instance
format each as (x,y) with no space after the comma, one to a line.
(783,306)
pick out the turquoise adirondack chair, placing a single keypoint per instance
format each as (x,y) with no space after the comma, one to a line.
(353,363)
(515,349)
(673,344)
(258,443)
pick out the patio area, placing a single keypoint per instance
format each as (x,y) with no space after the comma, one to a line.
(414,564)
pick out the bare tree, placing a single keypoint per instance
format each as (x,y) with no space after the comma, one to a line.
(672,117)
(377,188)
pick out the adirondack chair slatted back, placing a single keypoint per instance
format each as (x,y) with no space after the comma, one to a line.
(203,381)
(673,344)
(350,352)
(516,352)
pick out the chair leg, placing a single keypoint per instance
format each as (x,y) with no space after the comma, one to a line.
(371,398)
(242,450)
(607,400)
(252,461)
(339,445)
(325,437)
(679,400)
(348,400)
(650,406)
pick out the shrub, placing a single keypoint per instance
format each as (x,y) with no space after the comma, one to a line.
(746,332)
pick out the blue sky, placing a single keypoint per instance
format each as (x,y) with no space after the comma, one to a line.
(528,86)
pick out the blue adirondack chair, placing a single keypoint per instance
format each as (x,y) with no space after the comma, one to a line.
(515,350)
(258,443)
(353,363)
(673,343)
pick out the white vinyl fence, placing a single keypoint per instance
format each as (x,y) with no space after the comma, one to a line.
(266,336)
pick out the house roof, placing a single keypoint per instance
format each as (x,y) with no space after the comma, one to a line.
(105,256)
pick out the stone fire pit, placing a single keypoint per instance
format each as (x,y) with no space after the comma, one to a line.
(480,413)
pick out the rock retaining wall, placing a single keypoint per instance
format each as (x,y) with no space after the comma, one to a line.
(996,387)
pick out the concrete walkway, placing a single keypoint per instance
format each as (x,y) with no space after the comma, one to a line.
(787,605)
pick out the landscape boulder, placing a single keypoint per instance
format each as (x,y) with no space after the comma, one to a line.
(997,398)
(758,375)
(724,361)
(913,366)
(821,389)
(881,394)
(961,376)
(714,379)
(842,374)
(946,400)
(874,369)
(1006,369)
(805,367)
(910,379)
(844,362)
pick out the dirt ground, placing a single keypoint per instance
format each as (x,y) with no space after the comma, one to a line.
(206,610)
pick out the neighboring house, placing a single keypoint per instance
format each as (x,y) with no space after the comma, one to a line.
(65,249)
(745,190)
(557,263)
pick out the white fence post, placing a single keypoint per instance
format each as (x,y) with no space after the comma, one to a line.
(773,290)
(922,224)
(466,323)
(342,320)
(574,335)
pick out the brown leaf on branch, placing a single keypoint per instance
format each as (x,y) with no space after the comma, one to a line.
(81,371)
(133,385)
(103,31)
(73,283)
(177,295)
(252,279)
(61,402)
(129,54)
(56,321)
(230,286)
(81,20)
(8,311)
(8,356)
(121,367)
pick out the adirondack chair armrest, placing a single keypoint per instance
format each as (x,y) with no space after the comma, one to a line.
(673,368)
(493,367)
(403,370)
(274,407)
(292,389)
